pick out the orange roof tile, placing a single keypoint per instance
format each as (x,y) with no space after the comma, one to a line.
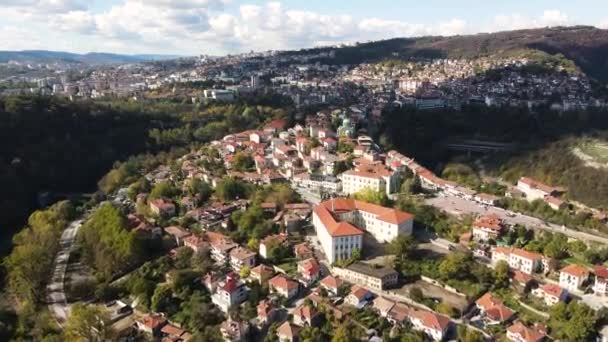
(576,270)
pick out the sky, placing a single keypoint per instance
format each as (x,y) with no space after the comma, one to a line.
(219,27)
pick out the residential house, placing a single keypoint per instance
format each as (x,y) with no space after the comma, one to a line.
(229,292)
(551,294)
(241,257)
(261,273)
(358,296)
(195,242)
(487,227)
(518,332)
(271,241)
(288,332)
(399,314)
(434,325)
(600,284)
(178,234)
(162,207)
(493,309)
(267,312)
(525,261)
(233,330)
(306,315)
(383,306)
(331,284)
(302,251)
(573,276)
(309,271)
(174,333)
(151,324)
(283,286)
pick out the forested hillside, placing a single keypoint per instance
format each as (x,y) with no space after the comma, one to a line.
(50,144)
(544,141)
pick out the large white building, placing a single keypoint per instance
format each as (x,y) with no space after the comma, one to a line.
(374,177)
(535,190)
(336,222)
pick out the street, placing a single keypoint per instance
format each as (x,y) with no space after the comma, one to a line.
(456,206)
(55,289)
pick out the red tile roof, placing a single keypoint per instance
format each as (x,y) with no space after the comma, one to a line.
(325,209)
(431,320)
(332,282)
(552,290)
(576,270)
(601,271)
(288,330)
(526,254)
(283,282)
(153,321)
(527,334)
(494,307)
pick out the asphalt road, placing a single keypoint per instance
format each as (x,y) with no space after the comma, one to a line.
(55,290)
(456,206)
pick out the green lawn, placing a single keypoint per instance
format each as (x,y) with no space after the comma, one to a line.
(598,150)
(577,261)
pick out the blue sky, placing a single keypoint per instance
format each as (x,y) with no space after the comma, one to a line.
(192,27)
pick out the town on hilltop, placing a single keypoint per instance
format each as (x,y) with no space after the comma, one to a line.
(313,232)
(312,195)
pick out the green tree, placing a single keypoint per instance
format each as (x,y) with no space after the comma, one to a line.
(371,196)
(244,272)
(403,246)
(162,298)
(243,162)
(164,190)
(455,266)
(344,333)
(501,275)
(88,323)
(416,294)
(184,257)
(229,189)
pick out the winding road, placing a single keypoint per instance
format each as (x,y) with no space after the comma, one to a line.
(56,297)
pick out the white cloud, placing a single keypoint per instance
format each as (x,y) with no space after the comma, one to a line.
(553,18)
(549,18)
(205,26)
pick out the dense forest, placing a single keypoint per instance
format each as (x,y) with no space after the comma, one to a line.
(543,141)
(53,145)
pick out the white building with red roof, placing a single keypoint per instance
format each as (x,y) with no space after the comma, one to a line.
(229,292)
(309,271)
(518,332)
(573,276)
(374,177)
(331,284)
(487,227)
(434,325)
(493,309)
(283,286)
(551,294)
(600,285)
(336,222)
(519,259)
(535,190)
(525,261)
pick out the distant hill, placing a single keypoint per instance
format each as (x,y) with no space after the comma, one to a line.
(586,46)
(92,59)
